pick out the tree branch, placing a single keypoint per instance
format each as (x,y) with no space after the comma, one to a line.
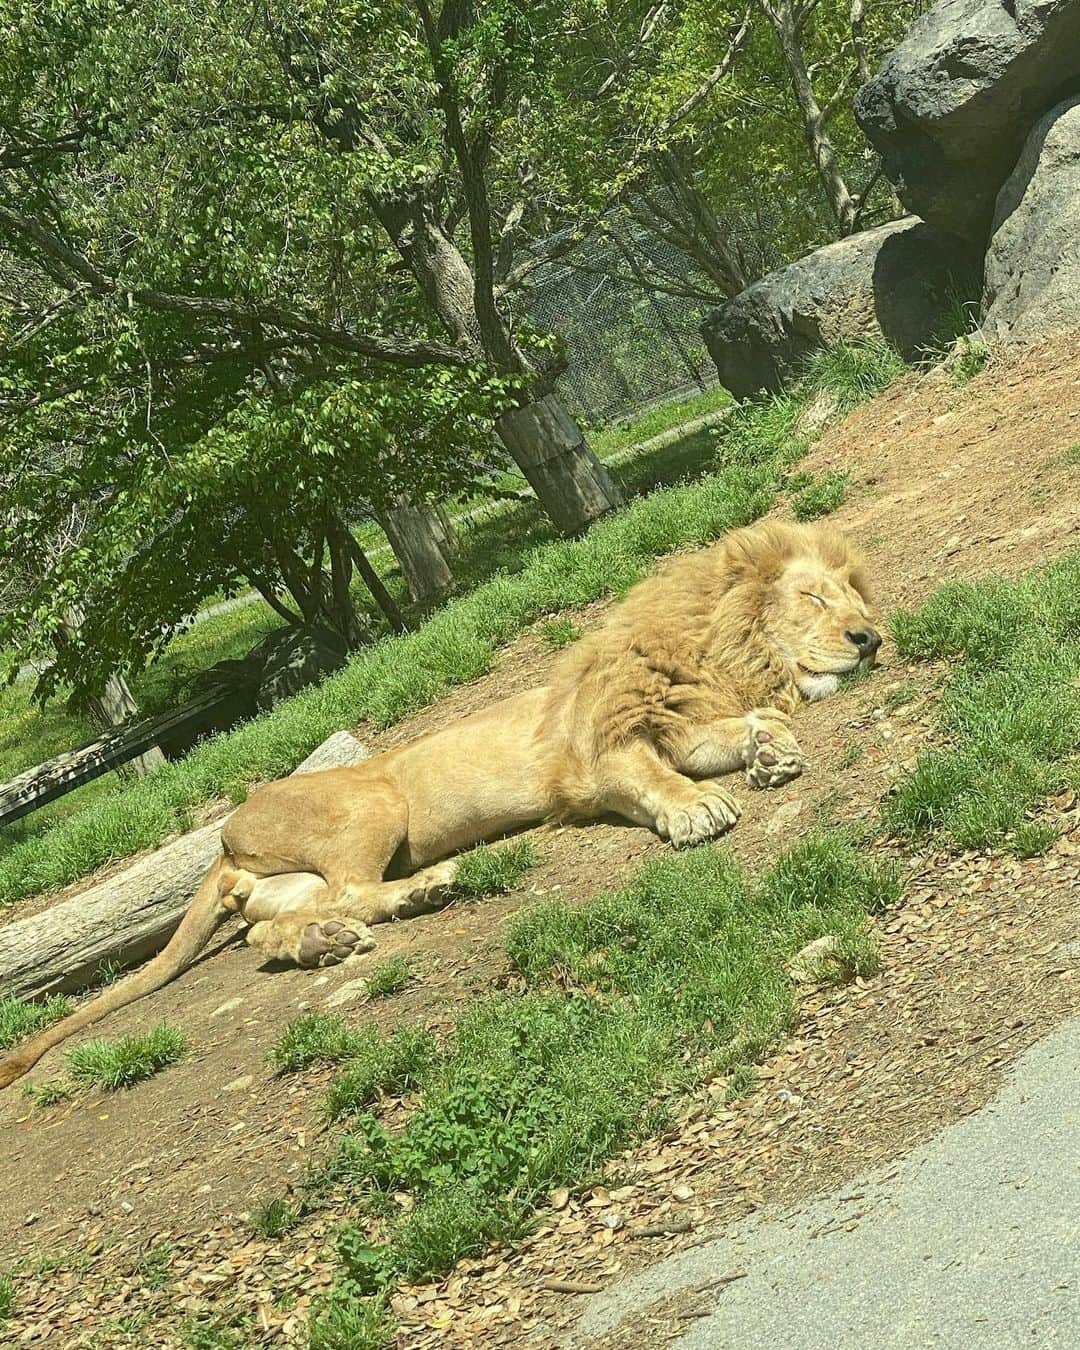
(229,313)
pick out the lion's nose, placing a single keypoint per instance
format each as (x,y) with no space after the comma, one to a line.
(866,639)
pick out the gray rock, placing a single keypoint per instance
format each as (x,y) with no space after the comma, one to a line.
(341,750)
(952,105)
(293,658)
(1032,282)
(897,281)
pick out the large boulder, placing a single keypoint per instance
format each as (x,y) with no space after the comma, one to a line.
(1032,282)
(952,105)
(898,281)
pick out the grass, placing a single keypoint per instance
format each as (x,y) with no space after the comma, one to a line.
(274,1219)
(559,632)
(1009,716)
(389,976)
(820,495)
(658,420)
(7,1297)
(48,1094)
(18,1019)
(494,871)
(155,1265)
(1072,455)
(399,675)
(111,1065)
(636,995)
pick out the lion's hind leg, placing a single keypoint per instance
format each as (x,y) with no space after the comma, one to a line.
(334,925)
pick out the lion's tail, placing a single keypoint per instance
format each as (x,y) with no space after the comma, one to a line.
(198,925)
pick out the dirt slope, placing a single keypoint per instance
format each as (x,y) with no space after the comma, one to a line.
(945,482)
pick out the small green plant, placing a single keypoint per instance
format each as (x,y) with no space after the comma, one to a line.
(7,1296)
(1033,838)
(155,1265)
(742,1081)
(389,976)
(314,1038)
(48,1094)
(274,1219)
(108,972)
(968,357)
(19,1019)
(851,754)
(494,871)
(1072,455)
(120,1064)
(378,1064)
(559,632)
(348,1320)
(215,1331)
(899,697)
(823,495)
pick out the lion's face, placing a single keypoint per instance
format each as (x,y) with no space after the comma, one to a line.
(823,625)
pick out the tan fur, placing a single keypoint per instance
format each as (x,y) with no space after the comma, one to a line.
(694,675)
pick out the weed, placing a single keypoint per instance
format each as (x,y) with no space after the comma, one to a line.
(1072,455)
(900,696)
(274,1219)
(18,1019)
(346,1320)
(380,1064)
(129,1060)
(155,1265)
(852,371)
(494,871)
(851,754)
(823,495)
(559,632)
(215,1331)
(967,358)
(7,1296)
(389,976)
(1032,838)
(314,1038)
(48,1094)
(742,1081)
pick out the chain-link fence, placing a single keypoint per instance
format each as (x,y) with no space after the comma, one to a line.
(628,343)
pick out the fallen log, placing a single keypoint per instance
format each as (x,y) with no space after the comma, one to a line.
(130,916)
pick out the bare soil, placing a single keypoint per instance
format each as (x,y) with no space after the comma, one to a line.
(945,482)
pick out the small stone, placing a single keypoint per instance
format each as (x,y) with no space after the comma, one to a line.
(239,1084)
(348,992)
(227,1006)
(126,1207)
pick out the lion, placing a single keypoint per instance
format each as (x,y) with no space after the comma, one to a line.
(695,675)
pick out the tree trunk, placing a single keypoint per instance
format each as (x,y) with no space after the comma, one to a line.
(422,538)
(115,704)
(130,916)
(573,486)
(782,18)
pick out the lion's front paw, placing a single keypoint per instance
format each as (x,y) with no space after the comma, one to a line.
(712,813)
(773,756)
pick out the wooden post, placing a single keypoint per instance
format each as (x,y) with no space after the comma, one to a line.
(422,538)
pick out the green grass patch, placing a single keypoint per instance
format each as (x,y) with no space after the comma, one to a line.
(611,440)
(632,997)
(155,1265)
(389,976)
(348,1321)
(7,1297)
(380,1064)
(820,496)
(48,1094)
(19,1019)
(559,632)
(1072,455)
(1009,716)
(494,871)
(274,1219)
(129,1060)
(852,371)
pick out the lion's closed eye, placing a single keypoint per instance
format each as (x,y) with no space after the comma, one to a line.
(816,598)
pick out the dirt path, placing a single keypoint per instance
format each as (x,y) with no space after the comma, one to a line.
(945,483)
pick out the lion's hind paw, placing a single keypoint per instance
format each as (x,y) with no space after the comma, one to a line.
(329,942)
